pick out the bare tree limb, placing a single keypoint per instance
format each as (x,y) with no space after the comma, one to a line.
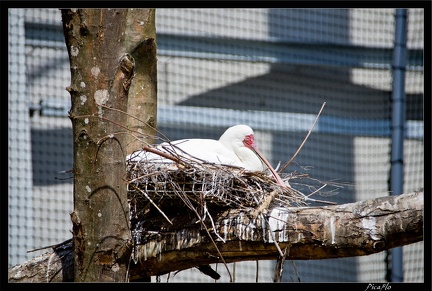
(309,233)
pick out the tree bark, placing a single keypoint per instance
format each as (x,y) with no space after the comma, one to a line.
(307,233)
(101,72)
(140,41)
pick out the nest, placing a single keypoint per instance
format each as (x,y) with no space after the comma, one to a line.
(157,190)
(166,197)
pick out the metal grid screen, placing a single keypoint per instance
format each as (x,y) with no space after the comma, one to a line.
(269,68)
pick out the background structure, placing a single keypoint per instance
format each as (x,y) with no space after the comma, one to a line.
(269,68)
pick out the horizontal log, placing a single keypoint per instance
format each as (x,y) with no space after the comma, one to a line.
(308,233)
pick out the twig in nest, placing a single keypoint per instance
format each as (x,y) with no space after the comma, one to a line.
(132,116)
(298,150)
(271,233)
(54,247)
(266,203)
(296,270)
(154,204)
(307,198)
(162,154)
(279,266)
(189,204)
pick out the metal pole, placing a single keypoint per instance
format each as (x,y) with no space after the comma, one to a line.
(398,123)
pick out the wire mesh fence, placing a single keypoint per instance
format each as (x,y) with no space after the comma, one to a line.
(269,68)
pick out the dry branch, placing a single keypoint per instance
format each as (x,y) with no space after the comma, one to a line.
(308,233)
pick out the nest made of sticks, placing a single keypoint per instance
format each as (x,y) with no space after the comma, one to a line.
(168,188)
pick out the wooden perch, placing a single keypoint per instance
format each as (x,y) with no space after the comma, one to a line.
(308,233)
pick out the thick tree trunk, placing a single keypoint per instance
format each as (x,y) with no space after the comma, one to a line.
(308,233)
(101,73)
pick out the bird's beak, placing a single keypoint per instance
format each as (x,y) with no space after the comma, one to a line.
(264,160)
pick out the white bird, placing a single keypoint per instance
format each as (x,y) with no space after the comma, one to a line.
(235,147)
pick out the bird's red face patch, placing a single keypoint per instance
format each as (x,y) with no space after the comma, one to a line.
(249,141)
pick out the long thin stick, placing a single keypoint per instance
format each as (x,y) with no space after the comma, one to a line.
(313,125)
(154,204)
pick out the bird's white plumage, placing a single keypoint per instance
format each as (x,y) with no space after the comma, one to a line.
(229,149)
(235,147)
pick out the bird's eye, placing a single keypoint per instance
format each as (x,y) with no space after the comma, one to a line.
(248,140)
